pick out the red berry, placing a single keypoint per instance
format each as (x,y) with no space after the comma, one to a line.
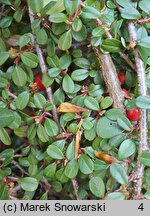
(38,81)
(121,77)
(134,114)
(127,94)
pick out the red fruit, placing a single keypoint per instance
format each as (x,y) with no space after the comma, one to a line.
(127,94)
(121,77)
(134,114)
(38,81)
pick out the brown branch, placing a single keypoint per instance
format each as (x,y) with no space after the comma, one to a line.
(122,55)
(141,21)
(44,70)
(143,145)
(110,77)
(75,188)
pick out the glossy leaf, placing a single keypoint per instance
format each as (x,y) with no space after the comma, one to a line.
(118,173)
(126,149)
(28,183)
(22,100)
(86,164)
(97,186)
(54,152)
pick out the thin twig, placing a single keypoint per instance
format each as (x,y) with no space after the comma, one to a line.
(12,95)
(19,167)
(143,145)
(75,188)
(44,70)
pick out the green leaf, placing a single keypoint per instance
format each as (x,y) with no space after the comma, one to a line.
(42,37)
(87,124)
(31,131)
(4,137)
(6,117)
(28,183)
(58,7)
(114,114)
(54,72)
(81,35)
(124,123)
(77,25)
(124,3)
(145,6)
(126,149)
(86,164)
(22,100)
(145,158)
(6,21)
(143,102)
(90,13)
(71,169)
(17,121)
(54,152)
(19,76)
(42,135)
(79,74)
(82,62)
(106,102)
(112,45)
(70,152)
(115,196)
(3,57)
(4,193)
(18,16)
(68,84)
(39,100)
(3,82)
(118,173)
(7,153)
(144,42)
(60,175)
(35,5)
(65,41)
(57,186)
(51,127)
(24,40)
(97,186)
(98,32)
(130,13)
(58,18)
(50,170)
(71,6)
(91,103)
(106,128)
(30,59)
(65,61)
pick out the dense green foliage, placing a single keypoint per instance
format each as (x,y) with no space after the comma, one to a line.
(93,145)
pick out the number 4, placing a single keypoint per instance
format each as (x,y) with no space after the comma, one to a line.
(141,207)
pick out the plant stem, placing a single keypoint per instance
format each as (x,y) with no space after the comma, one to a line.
(143,145)
(110,77)
(75,188)
(122,55)
(44,70)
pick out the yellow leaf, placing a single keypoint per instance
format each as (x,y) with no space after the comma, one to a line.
(68,107)
(105,157)
(78,137)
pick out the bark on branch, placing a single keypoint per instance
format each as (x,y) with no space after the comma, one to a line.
(110,78)
(143,145)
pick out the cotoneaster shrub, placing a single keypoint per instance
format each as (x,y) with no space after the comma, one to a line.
(62,134)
